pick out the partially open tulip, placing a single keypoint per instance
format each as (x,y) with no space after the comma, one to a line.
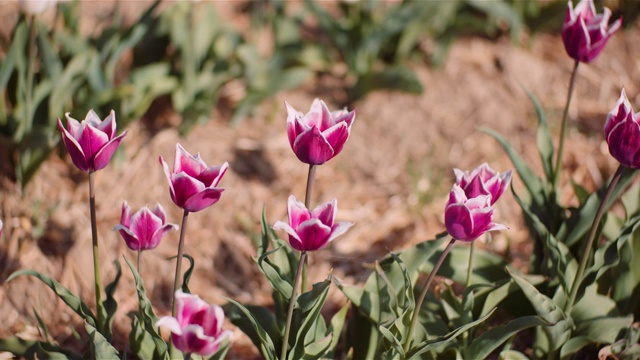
(320,134)
(92,142)
(467,219)
(197,326)
(483,180)
(584,32)
(145,229)
(193,184)
(622,133)
(312,230)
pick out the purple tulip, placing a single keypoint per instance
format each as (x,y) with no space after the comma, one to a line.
(320,134)
(622,132)
(145,228)
(310,231)
(467,219)
(483,180)
(197,326)
(92,142)
(584,32)
(192,183)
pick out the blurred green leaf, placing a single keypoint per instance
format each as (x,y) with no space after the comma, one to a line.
(100,346)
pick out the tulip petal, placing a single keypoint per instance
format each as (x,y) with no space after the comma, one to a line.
(185,162)
(184,187)
(73,148)
(294,239)
(339,229)
(103,157)
(203,199)
(337,136)
(211,176)
(129,237)
(298,213)
(624,143)
(458,222)
(312,148)
(159,234)
(325,212)
(125,215)
(171,323)
(107,126)
(314,235)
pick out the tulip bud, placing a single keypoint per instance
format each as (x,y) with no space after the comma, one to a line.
(312,230)
(466,219)
(483,180)
(197,326)
(622,133)
(584,32)
(192,183)
(92,142)
(145,229)
(319,135)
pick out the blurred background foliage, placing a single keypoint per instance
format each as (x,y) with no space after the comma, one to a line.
(183,57)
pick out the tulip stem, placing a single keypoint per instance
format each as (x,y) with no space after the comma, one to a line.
(311,175)
(563,128)
(586,250)
(292,301)
(472,247)
(176,281)
(138,262)
(96,252)
(423,294)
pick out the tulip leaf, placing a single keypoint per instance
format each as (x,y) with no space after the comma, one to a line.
(482,346)
(307,314)
(142,342)
(73,301)
(335,328)
(544,140)
(281,285)
(100,346)
(512,355)
(31,349)
(110,305)
(505,288)
(263,341)
(187,274)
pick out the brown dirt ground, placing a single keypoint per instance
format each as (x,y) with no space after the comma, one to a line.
(47,226)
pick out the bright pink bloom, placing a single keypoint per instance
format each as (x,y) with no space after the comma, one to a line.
(312,230)
(320,134)
(467,219)
(145,228)
(622,133)
(92,142)
(584,32)
(197,326)
(483,180)
(192,183)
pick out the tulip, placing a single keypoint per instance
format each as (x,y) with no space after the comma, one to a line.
(467,219)
(320,134)
(584,32)
(197,326)
(92,142)
(483,180)
(192,183)
(145,229)
(622,133)
(312,230)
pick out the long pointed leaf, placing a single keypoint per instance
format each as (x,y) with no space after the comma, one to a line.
(485,344)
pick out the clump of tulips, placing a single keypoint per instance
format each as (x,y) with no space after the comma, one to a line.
(582,285)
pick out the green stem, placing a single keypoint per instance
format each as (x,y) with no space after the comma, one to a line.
(96,252)
(138,262)
(292,301)
(470,268)
(563,128)
(586,250)
(176,280)
(423,294)
(311,175)
(30,74)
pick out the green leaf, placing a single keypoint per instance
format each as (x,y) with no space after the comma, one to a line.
(512,355)
(489,341)
(282,285)
(544,140)
(265,343)
(337,324)
(101,349)
(73,301)
(504,289)
(31,349)
(309,307)
(187,274)
(109,305)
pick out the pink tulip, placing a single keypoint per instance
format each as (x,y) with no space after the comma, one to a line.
(483,180)
(320,134)
(197,326)
(584,32)
(92,142)
(310,231)
(145,228)
(467,219)
(192,183)
(622,133)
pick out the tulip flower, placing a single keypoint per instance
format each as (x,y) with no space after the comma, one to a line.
(312,230)
(145,229)
(192,183)
(320,134)
(584,32)
(467,219)
(197,326)
(622,133)
(483,180)
(92,142)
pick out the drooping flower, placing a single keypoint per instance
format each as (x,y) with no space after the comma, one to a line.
(92,142)
(312,230)
(145,229)
(193,184)
(584,32)
(622,133)
(466,219)
(483,180)
(320,134)
(197,326)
